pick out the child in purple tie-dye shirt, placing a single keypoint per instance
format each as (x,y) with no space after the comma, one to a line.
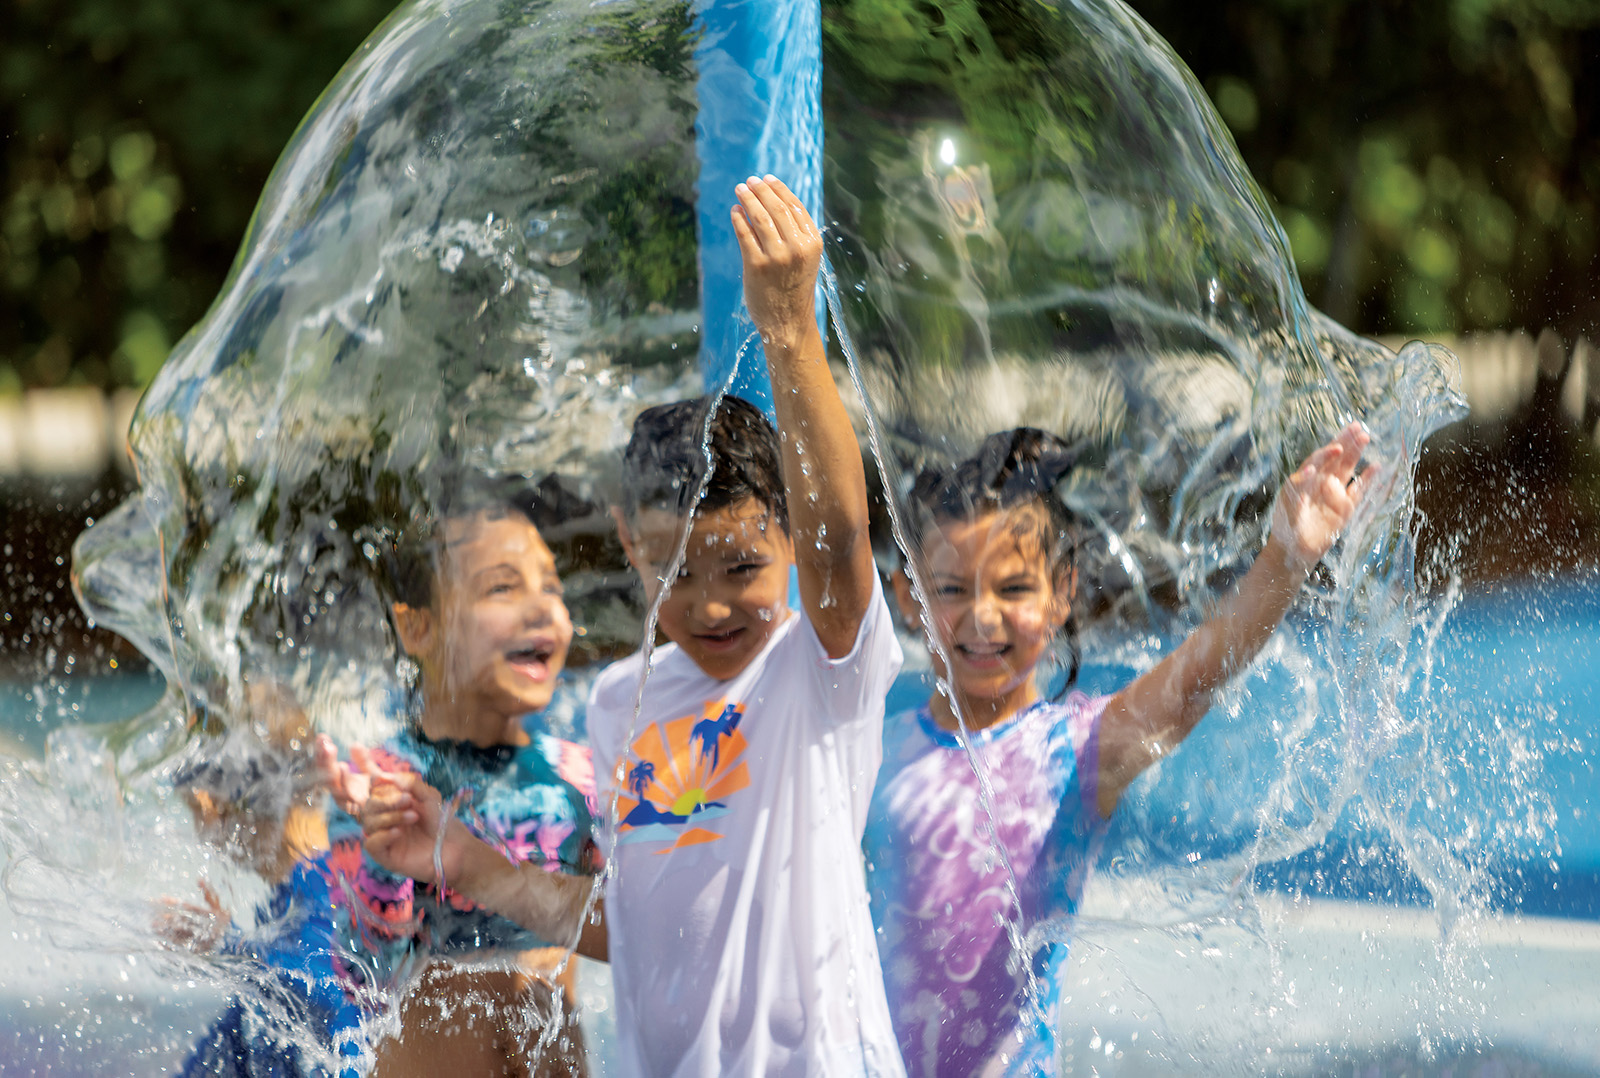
(995,554)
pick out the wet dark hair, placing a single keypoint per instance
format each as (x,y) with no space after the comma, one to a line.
(665,460)
(413,562)
(1011,469)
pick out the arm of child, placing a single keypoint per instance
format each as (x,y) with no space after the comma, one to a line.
(1150,717)
(400,820)
(190,927)
(822,472)
(348,784)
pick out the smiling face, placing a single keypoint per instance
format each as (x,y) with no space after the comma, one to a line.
(995,600)
(732,590)
(495,637)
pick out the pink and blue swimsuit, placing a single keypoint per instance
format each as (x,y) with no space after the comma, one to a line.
(941,897)
(343,935)
(534,802)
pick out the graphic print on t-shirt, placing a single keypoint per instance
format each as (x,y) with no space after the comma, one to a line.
(679,774)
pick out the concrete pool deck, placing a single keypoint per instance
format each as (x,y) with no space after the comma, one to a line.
(1329,987)
(1326,988)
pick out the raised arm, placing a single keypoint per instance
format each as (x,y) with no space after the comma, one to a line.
(400,820)
(1150,717)
(822,473)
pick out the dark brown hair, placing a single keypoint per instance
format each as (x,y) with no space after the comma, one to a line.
(666,459)
(413,562)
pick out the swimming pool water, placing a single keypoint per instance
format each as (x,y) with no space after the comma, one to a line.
(1355,967)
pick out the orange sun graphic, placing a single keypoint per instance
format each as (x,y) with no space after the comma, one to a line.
(678,775)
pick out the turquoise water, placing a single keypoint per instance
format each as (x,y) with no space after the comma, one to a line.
(30,712)
(486,249)
(1525,658)
(1516,675)
(1509,713)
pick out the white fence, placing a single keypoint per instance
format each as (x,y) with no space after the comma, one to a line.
(65,434)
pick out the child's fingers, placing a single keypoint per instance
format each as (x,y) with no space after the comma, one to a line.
(1315,464)
(329,771)
(1363,482)
(797,208)
(759,218)
(327,756)
(408,783)
(743,233)
(361,759)
(783,218)
(1351,442)
(336,777)
(774,203)
(380,814)
(1336,495)
(386,797)
(374,822)
(211,896)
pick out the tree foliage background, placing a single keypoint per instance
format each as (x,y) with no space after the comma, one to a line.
(1434,162)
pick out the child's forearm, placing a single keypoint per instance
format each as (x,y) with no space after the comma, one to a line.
(1152,716)
(826,489)
(825,483)
(1226,642)
(1230,639)
(1148,718)
(822,472)
(548,904)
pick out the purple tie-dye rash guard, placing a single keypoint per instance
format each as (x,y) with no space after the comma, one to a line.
(940,895)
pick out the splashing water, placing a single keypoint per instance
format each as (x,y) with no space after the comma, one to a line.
(481,249)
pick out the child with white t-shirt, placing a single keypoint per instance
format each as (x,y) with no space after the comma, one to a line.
(737,920)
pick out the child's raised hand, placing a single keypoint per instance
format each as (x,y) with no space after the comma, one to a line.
(186,926)
(782,250)
(349,784)
(1318,500)
(400,824)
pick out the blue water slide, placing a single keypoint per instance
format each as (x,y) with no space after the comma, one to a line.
(760,97)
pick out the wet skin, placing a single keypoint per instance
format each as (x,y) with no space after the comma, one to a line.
(495,637)
(731,592)
(995,602)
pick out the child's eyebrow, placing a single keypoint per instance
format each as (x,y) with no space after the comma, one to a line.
(1021,576)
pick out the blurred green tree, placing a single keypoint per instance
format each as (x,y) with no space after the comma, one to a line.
(1435,162)
(136,140)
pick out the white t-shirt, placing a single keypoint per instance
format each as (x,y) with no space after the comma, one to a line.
(740,933)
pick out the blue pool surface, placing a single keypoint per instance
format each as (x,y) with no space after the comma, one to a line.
(1516,670)
(1517,665)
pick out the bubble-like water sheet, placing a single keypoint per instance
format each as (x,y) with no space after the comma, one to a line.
(1036,219)
(480,252)
(479,248)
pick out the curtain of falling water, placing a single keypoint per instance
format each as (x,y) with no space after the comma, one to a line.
(489,244)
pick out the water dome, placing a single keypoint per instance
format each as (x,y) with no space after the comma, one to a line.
(501,233)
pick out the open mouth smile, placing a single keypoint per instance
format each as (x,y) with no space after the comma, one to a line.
(983,655)
(723,641)
(532,661)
